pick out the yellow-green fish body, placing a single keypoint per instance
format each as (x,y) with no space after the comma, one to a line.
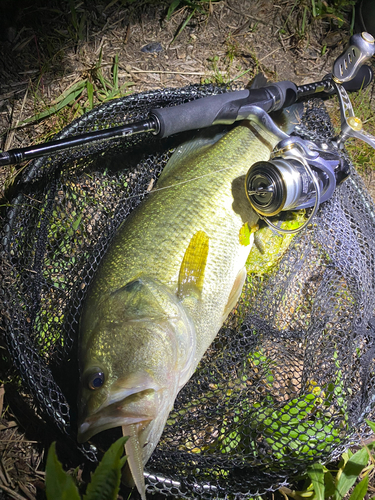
(172,274)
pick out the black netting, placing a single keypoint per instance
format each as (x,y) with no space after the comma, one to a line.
(288,380)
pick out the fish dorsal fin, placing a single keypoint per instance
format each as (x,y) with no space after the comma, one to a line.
(191,148)
(235,292)
(191,277)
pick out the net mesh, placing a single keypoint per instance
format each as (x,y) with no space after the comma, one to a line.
(289,378)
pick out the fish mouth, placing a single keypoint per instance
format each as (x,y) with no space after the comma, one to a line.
(116,414)
(142,416)
(88,429)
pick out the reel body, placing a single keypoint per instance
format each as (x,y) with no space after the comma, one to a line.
(285,183)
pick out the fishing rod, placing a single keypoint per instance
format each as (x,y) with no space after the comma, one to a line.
(348,73)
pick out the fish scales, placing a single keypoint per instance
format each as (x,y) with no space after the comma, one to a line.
(165,223)
(149,318)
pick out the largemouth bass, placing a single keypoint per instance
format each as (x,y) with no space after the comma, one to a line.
(172,274)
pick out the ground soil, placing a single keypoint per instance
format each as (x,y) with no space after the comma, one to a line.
(47,46)
(46,49)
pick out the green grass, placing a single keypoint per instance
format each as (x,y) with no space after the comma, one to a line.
(86,93)
(303,15)
(226,69)
(193,8)
(349,480)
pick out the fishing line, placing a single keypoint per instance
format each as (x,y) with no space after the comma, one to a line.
(177,183)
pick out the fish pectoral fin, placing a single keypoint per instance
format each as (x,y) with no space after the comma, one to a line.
(235,292)
(191,277)
(133,452)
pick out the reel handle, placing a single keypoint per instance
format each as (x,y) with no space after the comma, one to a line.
(351,125)
(361,48)
(348,73)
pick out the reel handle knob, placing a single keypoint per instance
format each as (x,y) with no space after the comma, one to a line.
(361,48)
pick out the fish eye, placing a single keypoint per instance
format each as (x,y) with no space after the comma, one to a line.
(96,380)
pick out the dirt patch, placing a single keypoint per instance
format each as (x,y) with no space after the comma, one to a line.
(47,49)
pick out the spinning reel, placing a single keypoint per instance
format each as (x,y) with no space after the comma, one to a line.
(303,174)
(299,175)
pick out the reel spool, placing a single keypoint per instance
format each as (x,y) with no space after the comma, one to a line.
(299,175)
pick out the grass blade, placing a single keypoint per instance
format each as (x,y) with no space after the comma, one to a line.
(313,8)
(172,8)
(115,73)
(80,85)
(360,490)
(184,25)
(90,94)
(350,473)
(53,109)
(316,474)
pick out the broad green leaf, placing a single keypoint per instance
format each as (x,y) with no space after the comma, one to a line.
(316,474)
(105,481)
(59,485)
(350,472)
(360,490)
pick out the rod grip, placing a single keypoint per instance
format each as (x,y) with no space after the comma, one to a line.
(222,109)
(197,114)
